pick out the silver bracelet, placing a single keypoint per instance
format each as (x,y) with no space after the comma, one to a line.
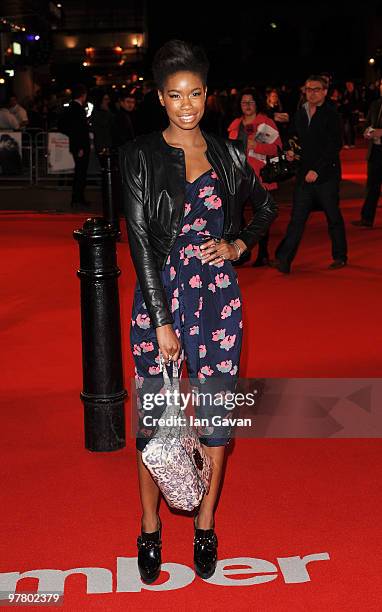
(238,250)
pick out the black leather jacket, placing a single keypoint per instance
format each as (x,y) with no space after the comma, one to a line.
(154,175)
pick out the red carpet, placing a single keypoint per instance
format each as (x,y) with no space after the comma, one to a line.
(64,507)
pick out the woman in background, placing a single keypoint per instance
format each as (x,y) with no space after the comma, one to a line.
(261,139)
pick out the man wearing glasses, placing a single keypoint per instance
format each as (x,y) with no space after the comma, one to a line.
(316,128)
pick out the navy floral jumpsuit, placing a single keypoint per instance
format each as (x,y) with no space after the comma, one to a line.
(204,300)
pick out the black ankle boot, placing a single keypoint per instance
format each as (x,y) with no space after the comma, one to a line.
(205,551)
(149,554)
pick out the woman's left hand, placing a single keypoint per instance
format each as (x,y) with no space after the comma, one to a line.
(216,251)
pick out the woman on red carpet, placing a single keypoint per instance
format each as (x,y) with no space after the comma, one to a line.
(183,194)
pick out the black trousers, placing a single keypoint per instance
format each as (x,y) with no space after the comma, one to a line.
(79,179)
(374,183)
(306,196)
(349,124)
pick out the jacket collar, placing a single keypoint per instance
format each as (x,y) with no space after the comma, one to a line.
(177,179)
(213,155)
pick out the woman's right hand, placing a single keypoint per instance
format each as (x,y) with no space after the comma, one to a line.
(168,341)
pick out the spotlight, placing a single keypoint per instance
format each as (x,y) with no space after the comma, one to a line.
(371,61)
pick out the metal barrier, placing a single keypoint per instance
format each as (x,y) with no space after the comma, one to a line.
(16,158)
(48,171)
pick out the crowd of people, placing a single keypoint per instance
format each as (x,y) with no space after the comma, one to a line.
(42,112)
(265,121)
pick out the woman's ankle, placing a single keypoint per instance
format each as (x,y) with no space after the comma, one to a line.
(150,522)
(204,520)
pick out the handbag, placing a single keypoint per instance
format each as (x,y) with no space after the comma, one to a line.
(278,168)
(174,455)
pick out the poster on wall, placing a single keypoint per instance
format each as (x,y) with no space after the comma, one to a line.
(59,157)
(60,160)
(10,153)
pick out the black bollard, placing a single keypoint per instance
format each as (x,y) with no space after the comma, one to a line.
(103,392)
(110,176)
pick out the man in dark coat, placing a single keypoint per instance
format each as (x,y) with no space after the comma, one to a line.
(74,124)
(317,129)
(373,134)
(125,120)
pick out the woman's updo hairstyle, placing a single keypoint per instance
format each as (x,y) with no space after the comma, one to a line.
(179,56)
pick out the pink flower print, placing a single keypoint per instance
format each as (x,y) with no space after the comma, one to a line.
(195,281)
(154,370)
(157,359)
(177,333)
(181,253)
(206,370)
(224,366)
(186,228)
(143,321)
(137,350)
(187,208)
(218,334)
(168,259)
(234,370)
(197,252)
(235,304)
(147,347)
(189,251)
(200,306)
(222,280)
(212,287)
(139,381)
(176,292)
(199,224)
(241,324)
(228,342)
(133,322)
(201,377)
(172,273)
(202,351)
(182,318)
(194,330)
(186,261)
(214,175)
(174,304)
(206,191)
(213,202)
(226,312)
